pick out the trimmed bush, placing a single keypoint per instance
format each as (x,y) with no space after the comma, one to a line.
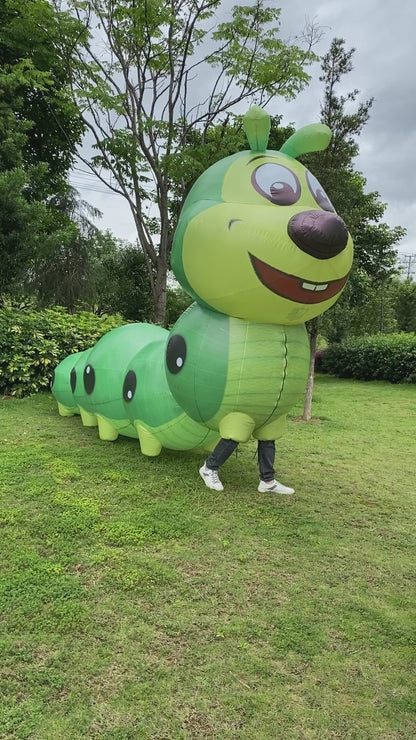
(32,343)
(389,357)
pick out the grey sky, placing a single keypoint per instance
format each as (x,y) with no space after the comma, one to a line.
(383,34)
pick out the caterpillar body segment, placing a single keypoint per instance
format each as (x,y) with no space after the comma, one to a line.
(259,371)
(120,386)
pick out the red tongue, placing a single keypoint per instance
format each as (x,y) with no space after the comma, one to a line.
(290,286)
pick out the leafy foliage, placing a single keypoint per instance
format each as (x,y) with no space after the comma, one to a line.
(405,304)
(366,307)
(119,280)
(389,357)
(177,301)
(32,343)
(142,99)
(362,212)
(40,127)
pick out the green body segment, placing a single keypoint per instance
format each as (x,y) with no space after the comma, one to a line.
(258,372)
(98,384)
(199,384)
(63,383)
(158,418)
(100,376)
(267,373)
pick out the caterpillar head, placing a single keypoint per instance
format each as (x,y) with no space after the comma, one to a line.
(258,238)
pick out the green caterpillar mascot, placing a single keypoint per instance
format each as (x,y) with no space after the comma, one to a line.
(261,250)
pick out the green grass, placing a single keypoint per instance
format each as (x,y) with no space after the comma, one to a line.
(135,603)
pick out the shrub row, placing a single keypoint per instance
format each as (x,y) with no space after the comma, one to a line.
(32,343)
(389,357)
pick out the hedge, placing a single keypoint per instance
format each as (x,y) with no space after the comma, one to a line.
(389,357)
(32,343)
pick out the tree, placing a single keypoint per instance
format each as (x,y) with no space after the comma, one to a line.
(373,241)
(177,301)
(404,292)
(140,70)
(366,307)
(39,129)
(34,90)
(118,279)
(59,270)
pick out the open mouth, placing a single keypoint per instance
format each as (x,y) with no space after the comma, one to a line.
(295,288)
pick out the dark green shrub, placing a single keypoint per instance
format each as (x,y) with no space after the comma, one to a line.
(381,357)
(32,343)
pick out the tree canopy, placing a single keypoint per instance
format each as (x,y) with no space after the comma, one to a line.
(40,127)
(149,74)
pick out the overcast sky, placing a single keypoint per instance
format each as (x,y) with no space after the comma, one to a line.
(383,34)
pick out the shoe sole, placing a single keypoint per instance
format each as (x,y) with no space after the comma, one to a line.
(279,493)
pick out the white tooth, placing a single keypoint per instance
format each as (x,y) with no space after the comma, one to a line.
(314,286)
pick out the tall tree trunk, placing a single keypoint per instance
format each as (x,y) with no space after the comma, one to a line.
(307,406)
(159,294)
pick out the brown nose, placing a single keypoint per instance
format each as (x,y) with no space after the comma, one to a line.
(318,233)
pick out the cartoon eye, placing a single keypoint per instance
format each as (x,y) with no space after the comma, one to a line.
(129,386)
(89,379)
(73,379)
(277,183)
(176,354)
(319,193)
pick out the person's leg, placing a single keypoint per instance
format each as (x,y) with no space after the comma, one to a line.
(209,471)
(222,452)
(266,453)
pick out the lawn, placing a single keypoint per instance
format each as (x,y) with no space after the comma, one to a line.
(136,603)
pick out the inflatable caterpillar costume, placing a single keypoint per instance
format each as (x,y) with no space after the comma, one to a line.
(261,250)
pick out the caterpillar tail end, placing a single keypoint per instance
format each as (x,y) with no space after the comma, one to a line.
(149,445)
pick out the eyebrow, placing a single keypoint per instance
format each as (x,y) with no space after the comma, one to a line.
(262,156)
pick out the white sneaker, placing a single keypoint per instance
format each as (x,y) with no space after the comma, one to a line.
(210,478)
(273,486)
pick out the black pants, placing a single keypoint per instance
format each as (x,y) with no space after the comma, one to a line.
(265,455)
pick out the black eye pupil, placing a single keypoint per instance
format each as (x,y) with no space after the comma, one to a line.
(129,386)
(176,354)
(73,379)
(89,379)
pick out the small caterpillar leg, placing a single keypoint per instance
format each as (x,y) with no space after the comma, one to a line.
(106,431)
(149,445)
(88,420)
(66,410)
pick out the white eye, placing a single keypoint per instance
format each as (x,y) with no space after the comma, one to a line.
(129,394)
(179,362)
(319,193)
(276,183)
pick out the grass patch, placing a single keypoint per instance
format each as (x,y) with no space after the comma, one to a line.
(136,603)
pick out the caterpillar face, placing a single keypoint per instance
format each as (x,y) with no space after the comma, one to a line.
(259,239)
